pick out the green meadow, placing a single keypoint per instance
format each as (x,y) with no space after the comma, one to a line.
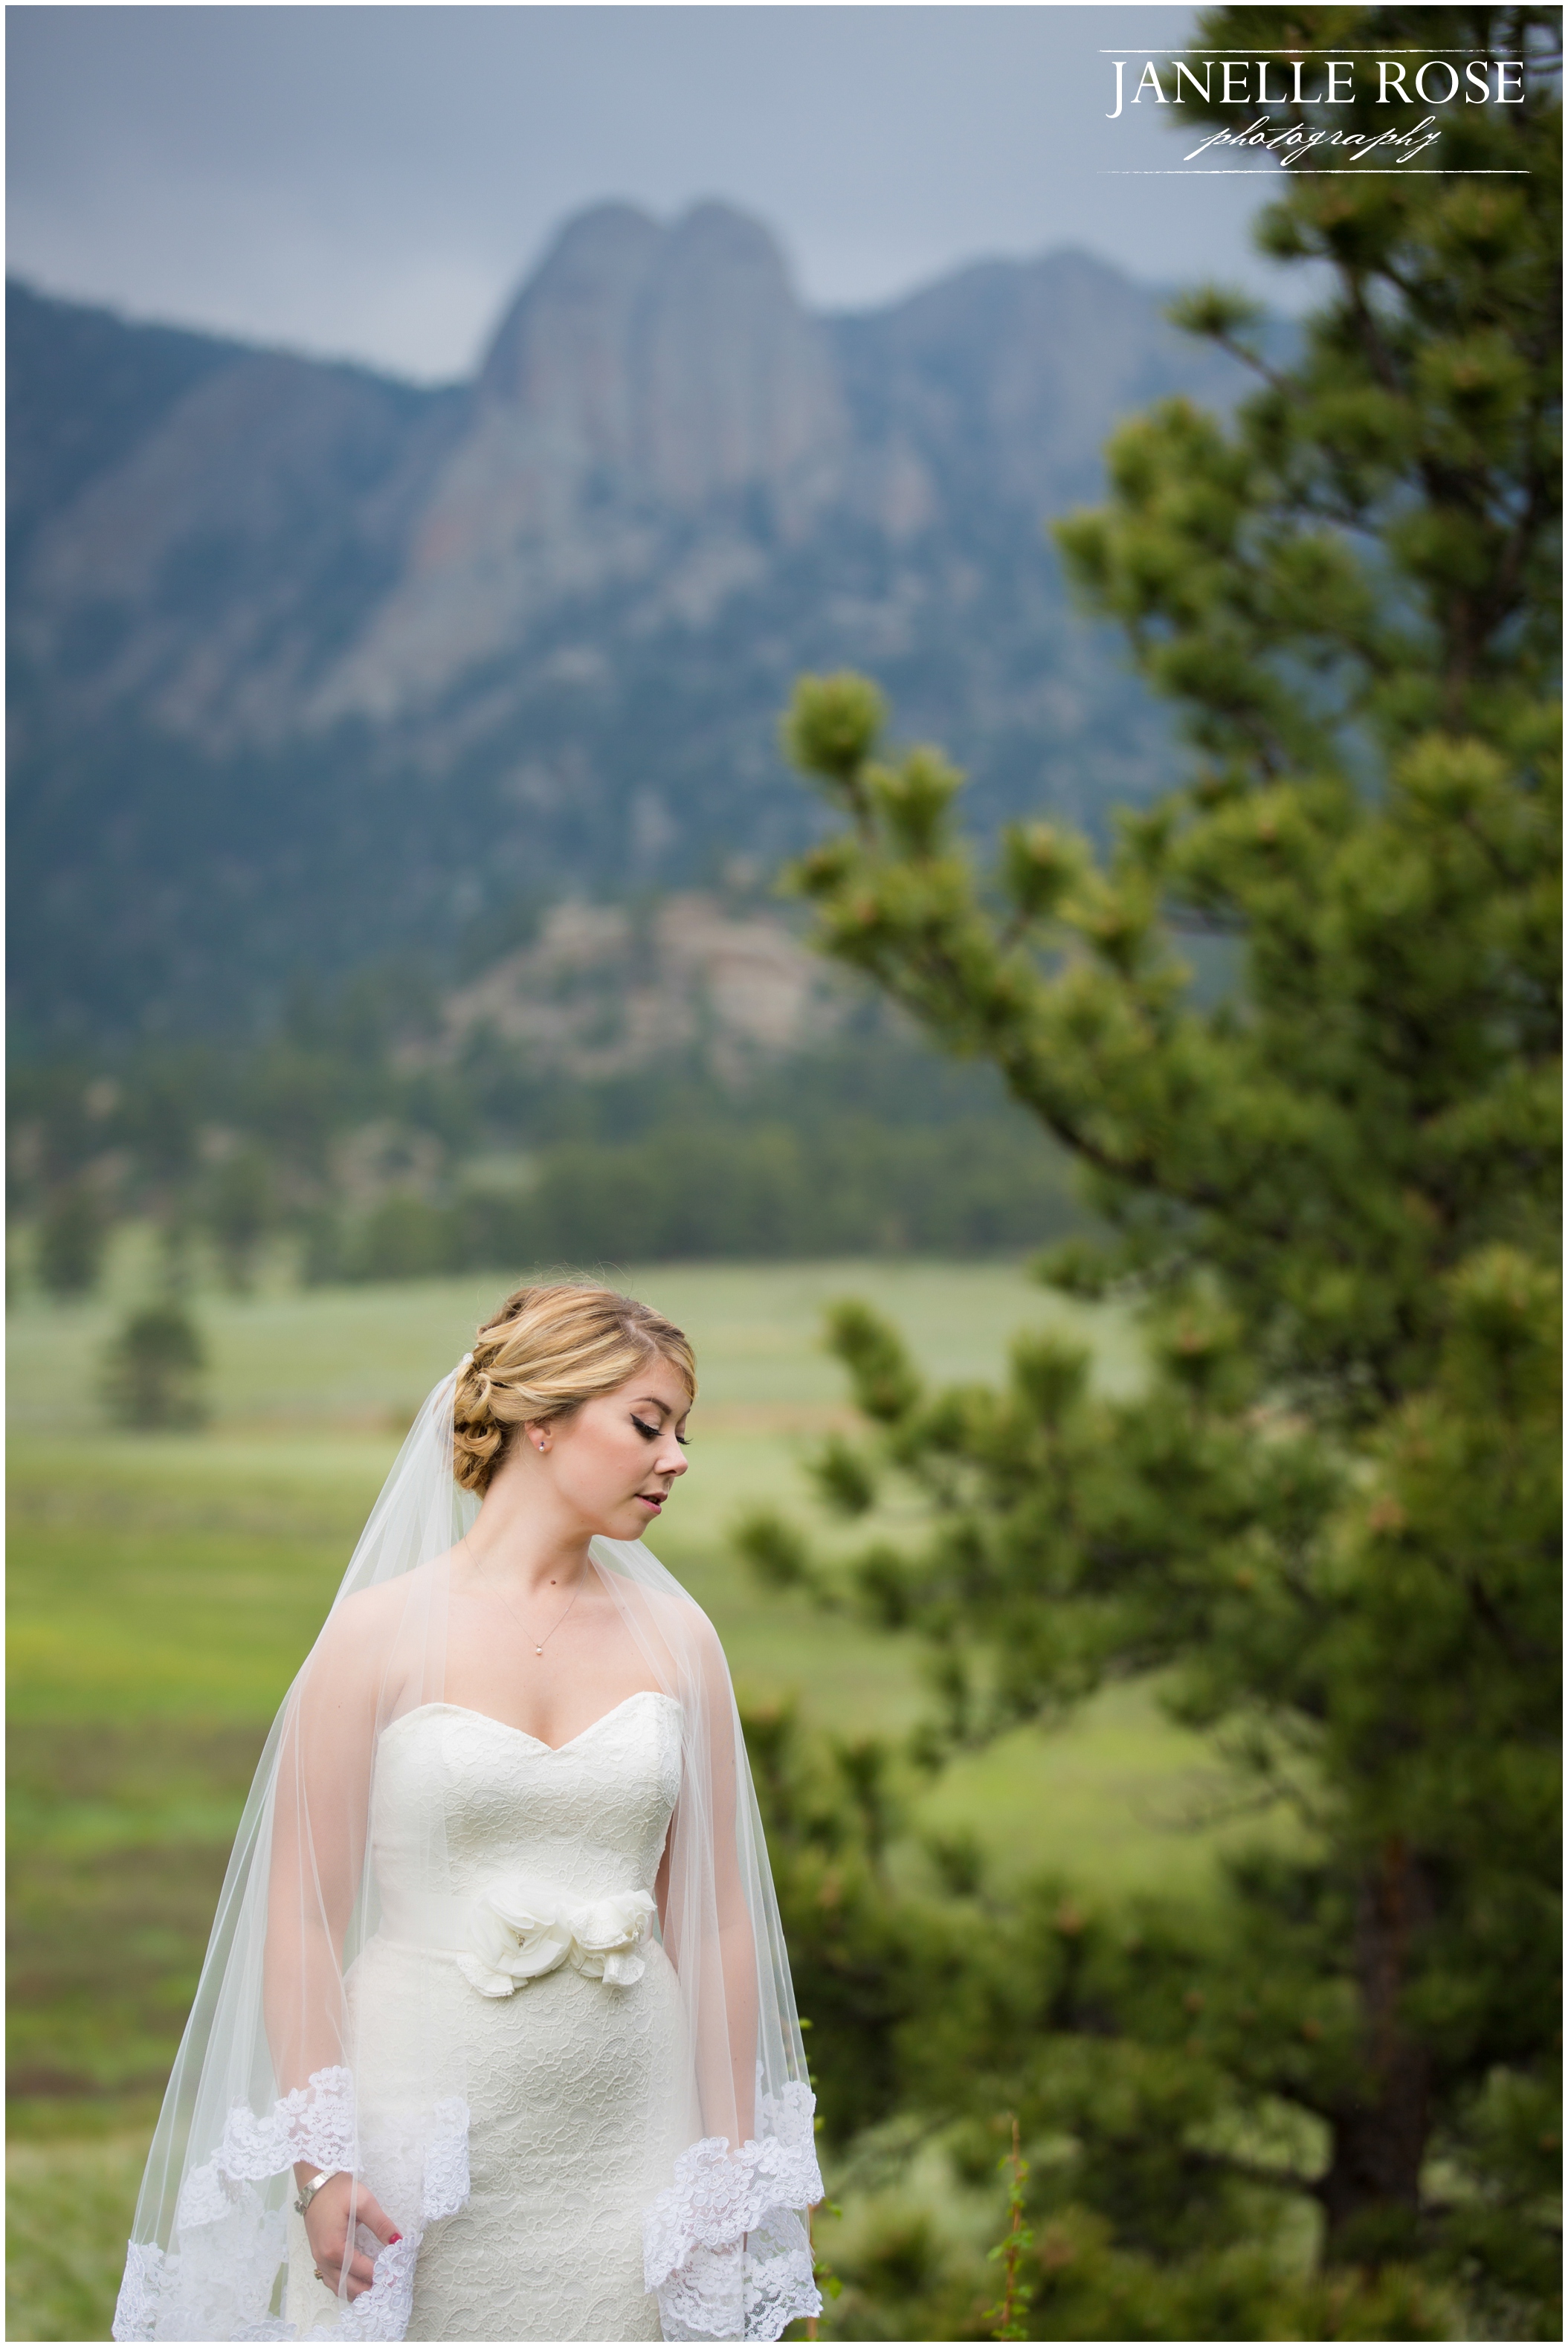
(163,1589)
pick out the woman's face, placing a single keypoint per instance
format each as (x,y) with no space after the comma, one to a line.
(615,1459)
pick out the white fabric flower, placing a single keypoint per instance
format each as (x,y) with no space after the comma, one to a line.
(520,1930)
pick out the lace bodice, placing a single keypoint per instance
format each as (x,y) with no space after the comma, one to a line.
(462,1799)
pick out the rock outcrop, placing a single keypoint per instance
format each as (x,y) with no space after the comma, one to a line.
(644,377)
(606,988)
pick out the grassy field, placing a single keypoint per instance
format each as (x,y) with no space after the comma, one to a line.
(163,1589)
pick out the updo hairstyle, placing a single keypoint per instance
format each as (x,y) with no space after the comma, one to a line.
(546,1352)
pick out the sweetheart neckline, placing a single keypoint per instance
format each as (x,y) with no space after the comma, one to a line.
(468,1712)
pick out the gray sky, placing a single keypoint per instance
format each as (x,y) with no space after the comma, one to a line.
(374,182)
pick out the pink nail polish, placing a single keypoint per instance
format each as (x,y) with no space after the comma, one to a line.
(396,2237)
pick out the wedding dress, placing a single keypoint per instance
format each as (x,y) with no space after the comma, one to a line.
(536,1998)
(573,2076)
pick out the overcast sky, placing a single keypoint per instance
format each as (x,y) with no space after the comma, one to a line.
(374,182)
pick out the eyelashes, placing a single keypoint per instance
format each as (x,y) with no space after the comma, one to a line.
(651,1434)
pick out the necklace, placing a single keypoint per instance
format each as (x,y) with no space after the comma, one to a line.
(541,1645)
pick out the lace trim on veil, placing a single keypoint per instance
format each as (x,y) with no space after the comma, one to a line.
(724,2246)
(221,2282)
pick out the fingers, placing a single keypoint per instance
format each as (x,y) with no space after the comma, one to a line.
(360,2273)
(333,2256)
(368,2211)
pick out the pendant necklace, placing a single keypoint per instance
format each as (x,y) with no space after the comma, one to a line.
(550,1634)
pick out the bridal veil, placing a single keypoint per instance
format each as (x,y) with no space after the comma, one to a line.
(265,2074)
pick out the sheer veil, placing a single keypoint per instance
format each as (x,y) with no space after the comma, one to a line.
(265,2075)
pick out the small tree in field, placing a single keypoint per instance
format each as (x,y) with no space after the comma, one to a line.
(72,1234)
(1331,1518)
(153,1371)
(241,1208)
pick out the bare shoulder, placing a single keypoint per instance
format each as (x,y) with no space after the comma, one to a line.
(674,1612)
(685,1628)
(373,1621)
(665,1612)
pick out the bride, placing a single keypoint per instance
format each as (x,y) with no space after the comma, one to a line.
(494,2038)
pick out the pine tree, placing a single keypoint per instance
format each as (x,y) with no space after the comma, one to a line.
(1330,1519)
(153,1372)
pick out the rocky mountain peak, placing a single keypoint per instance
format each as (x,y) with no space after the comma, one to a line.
(566,331)
(643,376)
(676,357)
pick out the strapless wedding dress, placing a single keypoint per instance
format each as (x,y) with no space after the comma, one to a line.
(565,2021)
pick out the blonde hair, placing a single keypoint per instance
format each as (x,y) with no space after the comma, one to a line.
(546,1352)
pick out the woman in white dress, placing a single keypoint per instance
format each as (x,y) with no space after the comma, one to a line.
(495,2038)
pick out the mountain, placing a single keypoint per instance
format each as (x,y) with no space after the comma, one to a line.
(604,989)
(309,666)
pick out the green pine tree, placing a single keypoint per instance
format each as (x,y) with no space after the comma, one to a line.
(73,1231)
(153,1372)
(1329,1521)
(241,1208)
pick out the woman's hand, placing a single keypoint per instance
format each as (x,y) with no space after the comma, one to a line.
(337,2208)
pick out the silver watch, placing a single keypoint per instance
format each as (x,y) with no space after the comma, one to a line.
(315,2186)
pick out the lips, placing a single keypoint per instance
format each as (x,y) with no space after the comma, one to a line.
(653,1501)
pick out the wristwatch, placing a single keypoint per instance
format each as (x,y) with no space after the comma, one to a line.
(315,2186)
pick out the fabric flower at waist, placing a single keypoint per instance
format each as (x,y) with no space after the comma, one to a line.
(519,1930)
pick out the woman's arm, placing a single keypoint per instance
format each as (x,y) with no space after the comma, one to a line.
(736,1964)
(319,1829)
(319,1826)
